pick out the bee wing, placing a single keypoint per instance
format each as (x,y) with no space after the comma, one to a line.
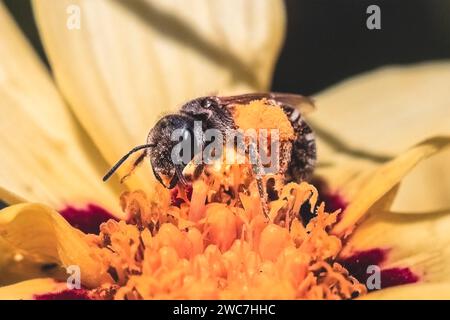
(304,104)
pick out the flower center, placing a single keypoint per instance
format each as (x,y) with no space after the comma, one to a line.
(213,242)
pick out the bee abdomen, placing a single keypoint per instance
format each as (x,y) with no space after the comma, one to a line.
(303,155)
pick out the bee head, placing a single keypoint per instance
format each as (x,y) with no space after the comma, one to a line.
(170,146)
(173,140)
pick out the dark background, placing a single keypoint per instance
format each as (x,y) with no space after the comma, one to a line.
(327,40)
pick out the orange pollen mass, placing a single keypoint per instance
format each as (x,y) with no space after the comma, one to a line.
(263,114)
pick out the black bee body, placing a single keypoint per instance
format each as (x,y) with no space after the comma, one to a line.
(212,112)
(298,158)
(303,154)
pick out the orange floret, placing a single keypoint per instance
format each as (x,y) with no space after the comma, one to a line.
(217,244)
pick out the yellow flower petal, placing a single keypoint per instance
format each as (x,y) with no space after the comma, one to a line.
(26,290)
(384,178)
(9,197)
(423,291)
(366,120)
(387,110)
(45,154)
(15,267)
(418,242)
(41,234)
(130,61)
(434,176)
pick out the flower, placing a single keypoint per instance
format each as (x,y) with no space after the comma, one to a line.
(128,63)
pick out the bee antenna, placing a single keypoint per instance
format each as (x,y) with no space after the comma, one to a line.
(125,157)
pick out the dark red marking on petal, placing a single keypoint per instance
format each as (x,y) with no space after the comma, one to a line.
(358,263)
(397,276)
(333,202)
(333,199)
(87,219)
(76,294)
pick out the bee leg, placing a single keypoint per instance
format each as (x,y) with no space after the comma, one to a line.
(263,196)
(194,168)
(181,177)
(258,170)
(136,163)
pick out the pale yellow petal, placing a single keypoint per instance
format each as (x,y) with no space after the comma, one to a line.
(368,119)
(389,109)
(434,176)
(41,234)
(46,157)
(27,290)
(422,291)
(420,242)
(381,180)
(130,61)
(15,267)
(9,197)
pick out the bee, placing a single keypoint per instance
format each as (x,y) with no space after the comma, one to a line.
(215,112)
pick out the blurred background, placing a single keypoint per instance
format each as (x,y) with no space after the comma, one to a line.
(327,40)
